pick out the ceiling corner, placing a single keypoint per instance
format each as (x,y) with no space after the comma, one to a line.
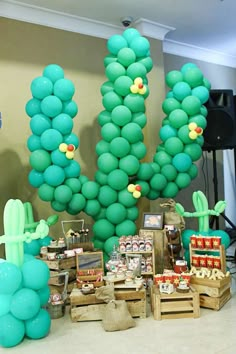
(152,29)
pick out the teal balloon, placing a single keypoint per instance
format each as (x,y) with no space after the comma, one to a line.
(173,146)
(202,93)
(41,87)
(158,182)
(103,229)
(107,162)
(156,168)
(145,171)
(194,77)
(40,160)
(132,133)
(46,192)
(167,132)
(162,158)
(62,194)
(169,172)
(39,123)
(45,241)
(126,198)
(136,70)
(51,106)
(10,278)
(33,106)
(110,100)
(181,90)
(187,66)
(116,213)
(129,164)
(121,115)
(145,188)
(182,162)
(72,139)
(64,89)
(132,213)
(77,203)
(101,214)
(74,184)
(110,131)
(83,179)
(187,257)
(99,245)
(183,180)
(126,227)
(35,178)
(72,170)
(34,143)
(140,119)
(59,158)
(54,175)
(53,72)
(58,206)
(5,301)
(70,107)
(135,103)
(63,123)
(104,117)
(32,248)
(178,118)
(119,147)
(39,326)
(110,243)
(114,70)
(101,178)
(107,86)
(140,46)
(12,331)
(200,120)
(92,207)
(118,179)
(183,134)
(51,139)
(107,196)
(170,94)
(169,105)
(194,151)
(138,150)
(90,190)
(173,77)
(170,191)
(35,274)
(110,58)
(115,43)
(191,105)
(126,56)
(206,83)
(130,33)
(122,85)
(203,111)
(25,304)
(193,171)
(147,62)
(153,194)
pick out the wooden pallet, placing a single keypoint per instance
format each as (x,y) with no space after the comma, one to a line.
(61,264)
(89,308)
(215,303)
(176,305)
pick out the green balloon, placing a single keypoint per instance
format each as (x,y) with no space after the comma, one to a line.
(200,120)
(183,180)
(132,213)
(187,66)
(110,243)
(136,70)
(191,105)
(158,182)
(126,198)
(59,158)
(202,93)
(101,178)
(107,196)
(115,43)
(126,56)
(12,331)
(35,178)
(181,90)
(132,132)
(183,134)
(170,191)
(114,70)
(92,207)
(104,117)
(77,203)
(101,214)
(194,151)
(103,229)
(162,158)
(116,213)
(107,86)
(140,119)
(194,77)
(51,106)
(41,87)
(147,62)
(63,123)
(64,89)
(110,58)
(57,206)
(53,72)
(110,131)
(140,46)
(107,162)
(126,227)
(167,131)
(122,85)
(111,100)
(138,150)
(90,190)
(119,147)
(101,147)
(182,162)
(145,171)
(39,326)
(70,107)
(46,192)
(129,164)
(121,115)
(173,146)
(98,244)
(135,103)
(152,195)
(170,104)
(206,83)
(118,179)
(156,168)
(39,123)
(173,77)
(33,107)
(51,139)
(130,33)
(169,172)
(178,118)
(40,160)
(193,171)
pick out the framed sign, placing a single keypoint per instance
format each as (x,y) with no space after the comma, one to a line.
(153,221)
(89,263)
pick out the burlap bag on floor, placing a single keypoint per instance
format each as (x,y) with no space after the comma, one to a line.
(116,316)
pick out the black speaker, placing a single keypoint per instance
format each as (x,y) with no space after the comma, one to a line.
(220,133)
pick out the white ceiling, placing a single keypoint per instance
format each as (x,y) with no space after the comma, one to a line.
(205,29)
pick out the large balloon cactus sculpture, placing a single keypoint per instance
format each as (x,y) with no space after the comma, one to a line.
(24,286)
(121,179)
(203,213)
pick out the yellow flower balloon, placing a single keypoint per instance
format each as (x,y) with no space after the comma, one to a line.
(63,147)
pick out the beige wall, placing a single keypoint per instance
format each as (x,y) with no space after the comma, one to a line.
(25,50)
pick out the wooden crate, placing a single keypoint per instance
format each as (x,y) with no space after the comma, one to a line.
(61,264)
(176,305)
(215,303)
(89,308)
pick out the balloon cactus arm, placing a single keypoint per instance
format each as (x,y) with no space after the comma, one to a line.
(220,206)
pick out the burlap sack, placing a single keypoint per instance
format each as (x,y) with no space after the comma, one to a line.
(170,215)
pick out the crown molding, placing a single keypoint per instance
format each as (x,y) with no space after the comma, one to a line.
(46,17)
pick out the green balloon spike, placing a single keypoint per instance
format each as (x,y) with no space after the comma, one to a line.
(14,221)
(30,223)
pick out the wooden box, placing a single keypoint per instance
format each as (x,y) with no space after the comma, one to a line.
(89,308)
(213,293)
(176,305)
(61,264)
